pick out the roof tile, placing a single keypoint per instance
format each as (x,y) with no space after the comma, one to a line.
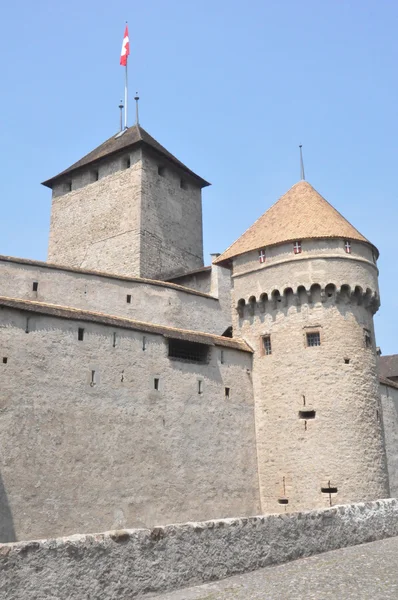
(301,213)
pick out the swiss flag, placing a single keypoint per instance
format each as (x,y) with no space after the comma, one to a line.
(125,48)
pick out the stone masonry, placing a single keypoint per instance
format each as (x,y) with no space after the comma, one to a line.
(139,387)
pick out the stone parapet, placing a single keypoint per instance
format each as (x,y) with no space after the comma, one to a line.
(130,563)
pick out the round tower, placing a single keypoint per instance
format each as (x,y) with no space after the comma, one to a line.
(305,289)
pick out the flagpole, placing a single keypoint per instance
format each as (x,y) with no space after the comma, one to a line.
(125,96)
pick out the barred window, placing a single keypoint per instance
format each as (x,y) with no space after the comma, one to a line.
(188,351)
(267,344)
(314,338)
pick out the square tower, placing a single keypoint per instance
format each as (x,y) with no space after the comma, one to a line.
(129,208)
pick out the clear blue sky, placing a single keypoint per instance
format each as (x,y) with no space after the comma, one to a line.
(231,88)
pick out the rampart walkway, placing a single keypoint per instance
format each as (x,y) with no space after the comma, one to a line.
(365,572)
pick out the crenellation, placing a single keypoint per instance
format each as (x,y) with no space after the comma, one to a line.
(312,295)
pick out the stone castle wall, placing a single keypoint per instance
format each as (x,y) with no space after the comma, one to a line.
(340,445)
(88,443)
(151,302)
(389,402)
(142,220)
(97,225)
(171,221)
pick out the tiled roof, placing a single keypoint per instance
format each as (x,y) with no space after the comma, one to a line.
(133,136)
(66,312)
(388,366)
(300,214)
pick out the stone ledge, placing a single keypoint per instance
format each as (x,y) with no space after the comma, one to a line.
(131,563)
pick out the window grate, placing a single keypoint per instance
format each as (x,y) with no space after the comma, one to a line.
(314,339)
(267,344)
(188,351)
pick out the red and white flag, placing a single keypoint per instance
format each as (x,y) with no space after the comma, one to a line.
(125,48)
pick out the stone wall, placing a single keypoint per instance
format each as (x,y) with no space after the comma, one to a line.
(389,402)
(127,564)
(171,220)
(131,221)
(87,442)
(97,226)
(339,446)
(151,301)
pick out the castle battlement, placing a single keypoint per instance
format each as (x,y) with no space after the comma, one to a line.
(330,294)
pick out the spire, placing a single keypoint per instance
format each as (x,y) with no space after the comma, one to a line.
(302,174)
(137,119)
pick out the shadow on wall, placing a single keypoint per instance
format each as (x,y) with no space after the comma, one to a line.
(7,531)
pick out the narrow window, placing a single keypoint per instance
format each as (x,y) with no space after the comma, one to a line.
(92,379)
(329,489)
(5,360)
(347,246)
(144,343)
(161,171)
(261,255)
(27,325)
(267,344)
(114,339)
(128,298)
(68,186)
(227,392)
(314,338)
(156,384)
(222,357)
(94,175)
(346,361)
(368,338)
(80,334)
(307,414)
(127,162)
(183,184)
(200,386)
(297,247)
(283,501)
(35,286)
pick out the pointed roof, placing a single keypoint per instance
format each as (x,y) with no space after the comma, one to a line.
(132,137)
(302,213)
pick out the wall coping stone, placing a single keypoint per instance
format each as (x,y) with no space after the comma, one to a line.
(128,563)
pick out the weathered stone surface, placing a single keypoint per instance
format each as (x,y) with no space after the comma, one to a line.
(100,448)
(132,221)
(365,572)
(127,564)
(151,301)
(323,289)
(389,401)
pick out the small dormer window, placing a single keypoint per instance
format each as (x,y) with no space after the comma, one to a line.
(183,184)
(127,162)
(94,175)
(347,246)
(297,247)
(161,170)
(261,255)
(68,186)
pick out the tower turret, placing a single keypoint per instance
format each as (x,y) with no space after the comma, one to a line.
(129,207)
(305,288)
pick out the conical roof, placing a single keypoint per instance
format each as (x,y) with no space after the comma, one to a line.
(127,139)
(302,213)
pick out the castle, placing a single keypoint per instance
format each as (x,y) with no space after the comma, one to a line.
(140,387)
